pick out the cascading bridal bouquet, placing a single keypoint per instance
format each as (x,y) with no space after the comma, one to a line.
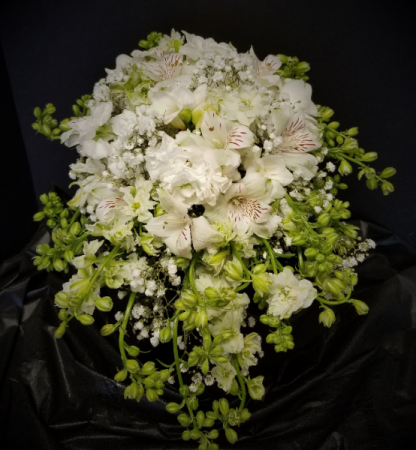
(206,189)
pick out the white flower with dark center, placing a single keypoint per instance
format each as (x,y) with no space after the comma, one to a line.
(243,204)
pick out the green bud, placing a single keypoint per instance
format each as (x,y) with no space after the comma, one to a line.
(75,228)
(148,368)
(205,367)
(234,270)
(184,391)
(269,320)
(132,366)
(195,434)
(387,188)
(35,126)
(164,375)
(63,314)
(182,262)
(189,299)
(186,116)
(245,415)
(61,299)
(349,144)
(201,319)
(200,417)
(104,304)
(369,157)
(151,395)
(85,319)
(224,406)
(261,283)
(231,435)
(60,331)
(324,219)
(361,307)
(213,434)
(58,265)
(311,253)
(39,216)
(388,172)
(193,402)
(173,407)
(184,420)
(131,391)
(108,329)
(45,129)
(256,388)
(132,350)
(345,168)
(352,131)
(372,184)
(327,317)
(37,112)
(76,110)
(165,335)
(211,293)
(50,223)
(334,125)
(218,257)
(186,435)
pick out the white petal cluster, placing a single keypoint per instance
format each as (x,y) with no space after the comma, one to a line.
(198,124)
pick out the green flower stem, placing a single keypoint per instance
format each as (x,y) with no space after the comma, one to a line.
(243,286)
(272,257)
(329,302)
(241,382)
(178,368)
(300,258)
(191,276)
(237,255)
(124,325)
(74,217)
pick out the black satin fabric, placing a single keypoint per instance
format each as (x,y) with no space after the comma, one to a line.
(349,387)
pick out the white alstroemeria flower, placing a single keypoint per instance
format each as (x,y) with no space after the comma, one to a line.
(174,227)
(294,134)
(288,294)
(224,375)
(273,168)
(171,101)
(243,204)
(265,70)
(303,165)
(223,134)
(165,68)
(84,128)
(299,95)
(92,190)
(196,47)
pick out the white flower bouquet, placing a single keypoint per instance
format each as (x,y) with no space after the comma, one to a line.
(207,198)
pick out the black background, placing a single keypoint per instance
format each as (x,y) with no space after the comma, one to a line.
(350,387)
(361,53)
